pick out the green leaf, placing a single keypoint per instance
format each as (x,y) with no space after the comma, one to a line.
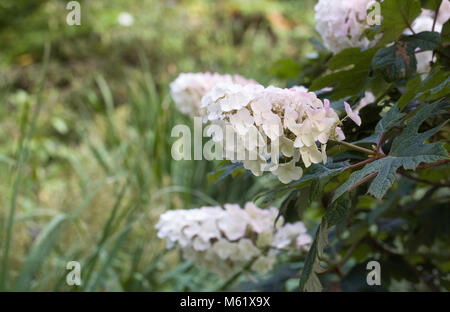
(287,68)
(397,16)
(425,41)
(337,211)
(309,280)
(316,171)
(39,251)
(395,62)
(404,188)
(411,91)
(407,151)
(351,70)
(224,172)
(431,4)
(434,87)
(445,33)
(293,205)
(319,171)
(392,117)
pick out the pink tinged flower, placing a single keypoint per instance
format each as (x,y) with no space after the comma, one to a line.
(340,136)
(444,12)
(304,136)
(366,100)
(290,119)
(299,88)
(323,137)
(353,115)
(303,240)
(318,119)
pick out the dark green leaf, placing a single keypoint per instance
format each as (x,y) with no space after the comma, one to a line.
(392,117)
(426,40)
(431,4)
(411,91)
(309,281)
(407,151)
(337,211)
(397,16)
(351,71)
(395,62)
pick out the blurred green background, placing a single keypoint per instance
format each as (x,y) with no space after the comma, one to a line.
(85,166)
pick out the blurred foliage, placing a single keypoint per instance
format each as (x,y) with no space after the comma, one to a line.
(85,164)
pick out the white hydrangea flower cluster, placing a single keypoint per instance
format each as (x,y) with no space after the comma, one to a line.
(444,12)
(424,22)
(342,23)
(188,89)
(270,129)
(225,241)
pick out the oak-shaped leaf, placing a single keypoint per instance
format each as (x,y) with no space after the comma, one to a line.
(408,151)
(309,279)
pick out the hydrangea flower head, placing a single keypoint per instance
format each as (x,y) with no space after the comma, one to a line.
(188,89)
(224,241)
(280,125)
(341,23)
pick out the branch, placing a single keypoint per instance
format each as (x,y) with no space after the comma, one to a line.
(350,252)
(370,176)
(436,16)
(374,174)
(337,266)
(382,248)
(334,267)
(405,19)
(354,147)
(433,164)
(380,142)
(411,177)
(362,163)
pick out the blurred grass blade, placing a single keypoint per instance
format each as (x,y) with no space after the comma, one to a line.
(22,158)
(111,255)
(109,103)
(40,249)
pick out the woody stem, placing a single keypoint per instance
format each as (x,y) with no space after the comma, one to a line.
(356,148)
